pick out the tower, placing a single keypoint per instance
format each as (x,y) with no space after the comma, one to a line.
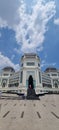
(30,72)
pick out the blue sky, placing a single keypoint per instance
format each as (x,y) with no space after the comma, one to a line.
(29,26)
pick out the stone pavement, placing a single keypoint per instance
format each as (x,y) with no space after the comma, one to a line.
(25,114)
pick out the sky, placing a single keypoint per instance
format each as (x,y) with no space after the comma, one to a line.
(29,26)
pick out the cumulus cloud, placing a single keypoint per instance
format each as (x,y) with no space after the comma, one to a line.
(5,61)
(3,23)
(28,21)
(12,57)
(30,32)
(45,64)
(56,21)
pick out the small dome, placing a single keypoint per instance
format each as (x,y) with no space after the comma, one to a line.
(50,69)
(8,68)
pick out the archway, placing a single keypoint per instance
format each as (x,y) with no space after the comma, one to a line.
(30,82)
(56,85)
(31,94)
(4,82)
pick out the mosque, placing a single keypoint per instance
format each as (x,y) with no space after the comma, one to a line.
(30,70)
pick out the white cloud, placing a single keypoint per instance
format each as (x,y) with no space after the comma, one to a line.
(45,64)
(17,50)
(5,61)
(30,32)
(28,22)
(56,21)
(0,34)
(17,67)
(3,23)
(12,57)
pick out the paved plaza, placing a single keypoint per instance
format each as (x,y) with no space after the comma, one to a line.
(17,114)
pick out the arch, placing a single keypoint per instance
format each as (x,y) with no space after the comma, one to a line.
(56,84)
(30,82)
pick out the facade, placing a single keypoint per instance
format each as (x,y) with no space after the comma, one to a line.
(46,80)
(4,76)
(14,80)
(54,74)
(29,67)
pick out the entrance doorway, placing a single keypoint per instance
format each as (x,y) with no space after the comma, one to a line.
(30,82)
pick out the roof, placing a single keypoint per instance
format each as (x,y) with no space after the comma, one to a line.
(8,68)
(30,55)
(50,69)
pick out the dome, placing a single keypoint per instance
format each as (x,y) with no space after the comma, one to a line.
(50,69)
(8,68)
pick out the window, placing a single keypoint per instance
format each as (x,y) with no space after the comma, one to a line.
(4,82)
(56,85)
(21,76)
(5,74)
(54,74)
(38,64)
(39,77)
(48,74)
(30,63)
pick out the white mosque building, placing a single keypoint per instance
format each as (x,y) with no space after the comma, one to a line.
(47,81)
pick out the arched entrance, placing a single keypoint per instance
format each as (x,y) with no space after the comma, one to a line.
(4,82)
(30,82)
(31,94)
(56,84)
